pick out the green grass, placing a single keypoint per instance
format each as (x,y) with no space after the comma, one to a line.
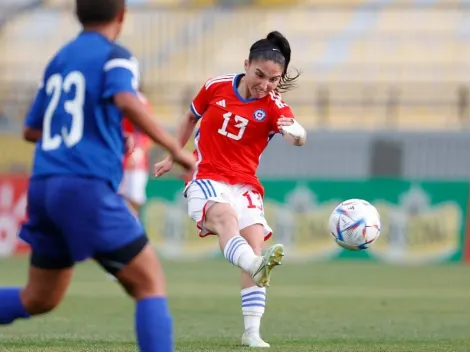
(340,306)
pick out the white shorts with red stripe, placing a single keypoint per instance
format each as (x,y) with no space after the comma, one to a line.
(133,186)
(246,201)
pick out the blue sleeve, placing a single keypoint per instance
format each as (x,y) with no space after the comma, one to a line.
(121,72)
(36,112)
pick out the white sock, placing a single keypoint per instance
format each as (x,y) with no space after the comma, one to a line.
(253,305)
(238,252)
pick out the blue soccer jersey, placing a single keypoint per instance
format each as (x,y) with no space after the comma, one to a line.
(81,127)
(74,211)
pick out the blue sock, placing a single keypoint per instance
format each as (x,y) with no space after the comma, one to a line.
(11,307)
(154,325)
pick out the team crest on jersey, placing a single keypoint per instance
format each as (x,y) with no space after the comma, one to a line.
(259,115)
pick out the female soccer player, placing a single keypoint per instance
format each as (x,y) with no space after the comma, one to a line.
(239,115)
(74,211)
(136,166)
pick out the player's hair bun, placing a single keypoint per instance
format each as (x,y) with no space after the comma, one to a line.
(280,42)
(275,47)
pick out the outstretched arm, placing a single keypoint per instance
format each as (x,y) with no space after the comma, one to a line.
(186,127)
(184,131)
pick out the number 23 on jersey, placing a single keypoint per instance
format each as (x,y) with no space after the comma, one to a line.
(55,86)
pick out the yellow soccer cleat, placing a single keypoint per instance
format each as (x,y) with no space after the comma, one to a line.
(262,266)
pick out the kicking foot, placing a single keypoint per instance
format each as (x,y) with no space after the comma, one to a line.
(262,266)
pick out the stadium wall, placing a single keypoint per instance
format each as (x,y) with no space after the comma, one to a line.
(13,188)
(355,154)
(423,222)
(429,166)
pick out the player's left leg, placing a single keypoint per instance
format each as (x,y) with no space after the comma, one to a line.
(253,297)
(255,230)
(123,250)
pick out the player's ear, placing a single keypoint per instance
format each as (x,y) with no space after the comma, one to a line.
(122,14)
(247,64)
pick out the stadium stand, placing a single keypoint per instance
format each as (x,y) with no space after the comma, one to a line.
(9,8)
(368,60)
(365,64)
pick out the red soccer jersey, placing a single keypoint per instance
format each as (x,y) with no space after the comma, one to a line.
(234,131)
(138,158)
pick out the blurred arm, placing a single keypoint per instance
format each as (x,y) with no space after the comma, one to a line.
(138,113)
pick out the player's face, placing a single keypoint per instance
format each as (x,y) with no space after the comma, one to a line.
(262,77)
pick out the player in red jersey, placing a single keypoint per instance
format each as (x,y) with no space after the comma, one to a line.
(239,114)
(136,166)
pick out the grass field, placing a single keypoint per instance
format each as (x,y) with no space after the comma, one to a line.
(341,306)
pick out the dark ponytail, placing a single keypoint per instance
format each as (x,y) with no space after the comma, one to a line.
(275,47)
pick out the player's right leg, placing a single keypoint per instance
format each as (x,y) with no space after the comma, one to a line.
(138,270)
(44,291)
(255,229)
(51,265)
(209,205)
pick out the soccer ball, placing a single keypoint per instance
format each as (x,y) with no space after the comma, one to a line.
(355,224)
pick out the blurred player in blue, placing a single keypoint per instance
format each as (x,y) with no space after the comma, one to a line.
(74,210)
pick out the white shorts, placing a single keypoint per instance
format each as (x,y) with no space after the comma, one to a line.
(133,186)
(246,201)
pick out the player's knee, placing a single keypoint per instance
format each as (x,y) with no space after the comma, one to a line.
(221,219)
(39,304)
(143,277)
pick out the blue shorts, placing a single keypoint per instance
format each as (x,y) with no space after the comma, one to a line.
(71,219)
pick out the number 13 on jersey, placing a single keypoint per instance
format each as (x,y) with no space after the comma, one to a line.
(238,121)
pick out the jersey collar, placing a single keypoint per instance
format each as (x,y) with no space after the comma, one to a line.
(236,81)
